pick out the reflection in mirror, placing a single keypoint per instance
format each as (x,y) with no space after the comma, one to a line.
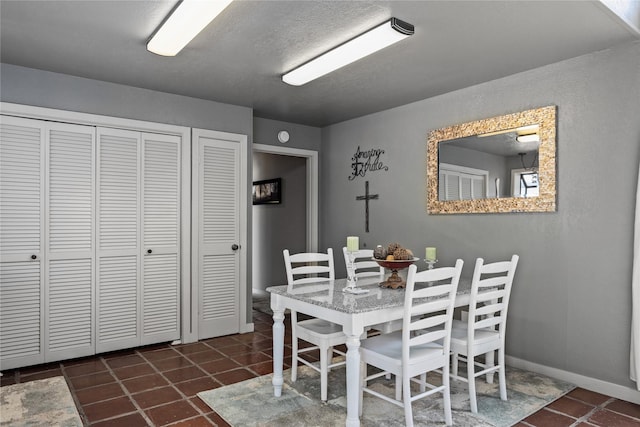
(489,165)
(502,164)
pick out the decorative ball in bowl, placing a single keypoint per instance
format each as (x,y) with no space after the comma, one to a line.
(394,281)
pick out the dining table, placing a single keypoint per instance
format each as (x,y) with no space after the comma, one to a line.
(326,299)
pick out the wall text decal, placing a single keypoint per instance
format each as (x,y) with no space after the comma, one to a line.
(365,161)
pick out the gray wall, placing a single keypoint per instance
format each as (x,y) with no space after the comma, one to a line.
(301,136)
(571,303)
(28,86)
(279,226)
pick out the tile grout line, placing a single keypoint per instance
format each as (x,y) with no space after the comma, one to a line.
(173,385)
(126,393)
(585,418)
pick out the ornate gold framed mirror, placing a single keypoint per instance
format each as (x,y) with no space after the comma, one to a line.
(500,164)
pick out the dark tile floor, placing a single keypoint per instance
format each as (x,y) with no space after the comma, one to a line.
(157,385)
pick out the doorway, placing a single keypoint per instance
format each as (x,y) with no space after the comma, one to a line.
(294,223)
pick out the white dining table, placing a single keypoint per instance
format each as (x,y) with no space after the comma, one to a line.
(326,300)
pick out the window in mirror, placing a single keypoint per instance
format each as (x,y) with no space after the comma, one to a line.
(501,164)
(524,183)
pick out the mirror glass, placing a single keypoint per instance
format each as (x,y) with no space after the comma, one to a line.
(500,164)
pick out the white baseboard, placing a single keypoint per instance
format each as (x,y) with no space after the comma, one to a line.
(610,389)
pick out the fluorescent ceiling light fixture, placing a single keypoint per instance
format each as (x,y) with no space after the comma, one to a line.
(365,44)
(186,21)
(533,137)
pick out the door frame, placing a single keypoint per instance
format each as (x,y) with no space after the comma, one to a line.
(312,185)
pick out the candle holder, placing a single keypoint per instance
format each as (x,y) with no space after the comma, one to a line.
(352,279)
(430,263)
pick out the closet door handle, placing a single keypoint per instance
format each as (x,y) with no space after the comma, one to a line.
(235,247)
(149,251)
(34,256)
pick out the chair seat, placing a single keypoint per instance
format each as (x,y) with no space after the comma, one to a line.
(387,349)
(482,336)
(321,328)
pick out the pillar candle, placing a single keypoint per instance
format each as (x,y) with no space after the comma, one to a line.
(430,254)
(353,243)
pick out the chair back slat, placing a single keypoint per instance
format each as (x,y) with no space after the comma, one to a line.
(427,337)
(317,266)
(490,296)
(432,291)
(492,282)
(489,309)
(497,267)
(308,257)
(311,269)
(428,311)
(428,322)
(488,322)
(494,294)
(429,307)
(437,274)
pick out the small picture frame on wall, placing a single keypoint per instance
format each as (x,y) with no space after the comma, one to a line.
(267,191)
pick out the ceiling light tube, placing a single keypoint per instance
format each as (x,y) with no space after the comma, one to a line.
(185,22)
(365,44)
(520,131)
(532,137)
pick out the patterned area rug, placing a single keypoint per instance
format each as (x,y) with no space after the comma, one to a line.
(45,402)
(252,403)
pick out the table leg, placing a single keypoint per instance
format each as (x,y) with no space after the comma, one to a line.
(489,359)
(278,351)
(353,380)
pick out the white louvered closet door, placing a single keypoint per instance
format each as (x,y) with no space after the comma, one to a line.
(119,230)
(138,300)
(70,242)
(22,167)
(161,236)
(46,235)
(218,225)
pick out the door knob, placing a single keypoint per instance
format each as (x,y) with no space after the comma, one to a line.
(235,247)
(149,251)
(34,256)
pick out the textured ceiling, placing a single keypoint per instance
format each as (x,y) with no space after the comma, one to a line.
(239,58)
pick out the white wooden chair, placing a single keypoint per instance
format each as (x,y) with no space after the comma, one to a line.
(304,268)
(423,343)
(485,328)
(364,264)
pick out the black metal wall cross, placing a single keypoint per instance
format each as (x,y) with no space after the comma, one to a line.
(366,199)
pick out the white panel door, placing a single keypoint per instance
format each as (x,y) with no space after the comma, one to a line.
(22,167)
(218,212)
(161,234)
(118,313)
(70,242)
